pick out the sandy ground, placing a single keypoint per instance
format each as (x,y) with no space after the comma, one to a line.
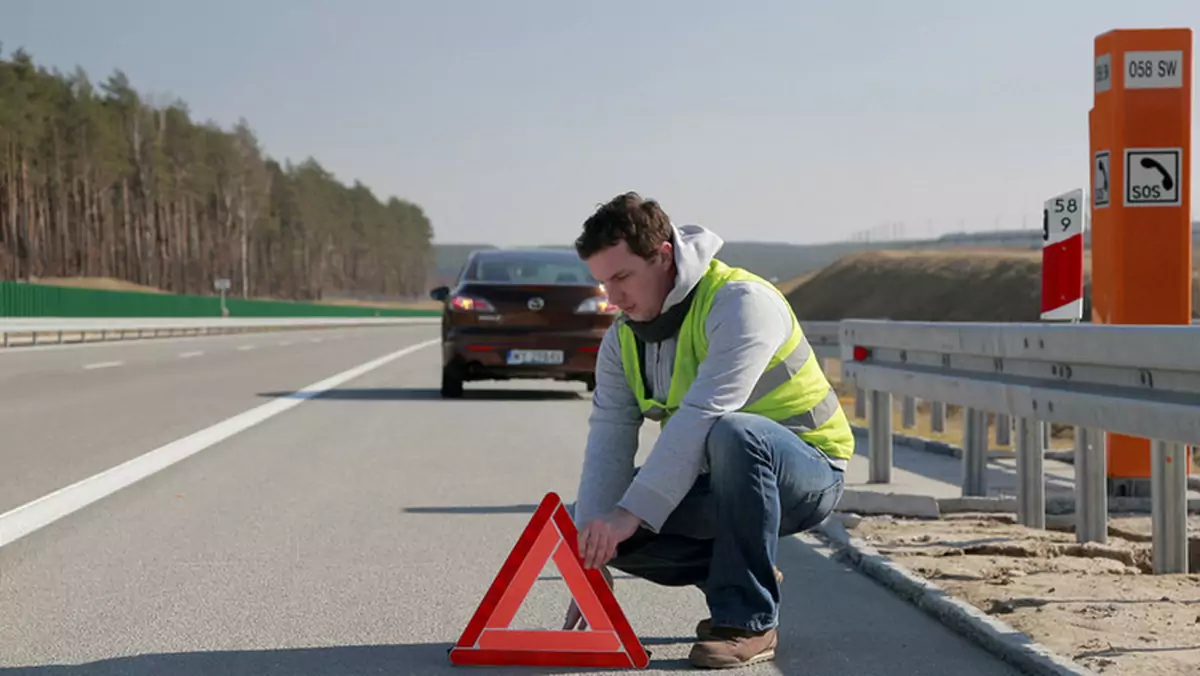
(1099,605)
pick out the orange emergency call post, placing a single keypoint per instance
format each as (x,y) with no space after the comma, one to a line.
(1140,137)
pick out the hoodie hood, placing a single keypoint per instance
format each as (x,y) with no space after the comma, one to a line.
(694,248)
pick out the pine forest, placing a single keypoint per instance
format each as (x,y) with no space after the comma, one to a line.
(95,181)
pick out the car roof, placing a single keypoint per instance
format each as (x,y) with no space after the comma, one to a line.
(529,254)
(531,257)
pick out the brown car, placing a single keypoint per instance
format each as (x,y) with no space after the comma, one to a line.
(522,314)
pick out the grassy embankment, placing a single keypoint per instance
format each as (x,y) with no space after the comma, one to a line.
(110,284)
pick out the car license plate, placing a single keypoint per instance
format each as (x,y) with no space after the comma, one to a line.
(517,357)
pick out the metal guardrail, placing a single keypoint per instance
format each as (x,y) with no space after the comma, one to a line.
(1138,380)
(71,329)
(824,338)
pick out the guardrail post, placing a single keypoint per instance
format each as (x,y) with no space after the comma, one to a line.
(937,416)
(1004,427)
(1168,500)
(1031,477)
(860,403)
(975,446)
(1091,489)
(908,412)
(879,435)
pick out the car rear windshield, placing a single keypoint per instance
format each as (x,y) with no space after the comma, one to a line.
(528,268)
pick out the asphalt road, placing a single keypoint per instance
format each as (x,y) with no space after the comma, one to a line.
(353,533)
(68,412)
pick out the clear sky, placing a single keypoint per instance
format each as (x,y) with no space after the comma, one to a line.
(509,120)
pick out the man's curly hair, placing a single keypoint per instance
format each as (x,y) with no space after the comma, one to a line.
(640,222)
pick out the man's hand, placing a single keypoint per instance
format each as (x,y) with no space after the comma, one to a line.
(599,539)
(597,546)
(574,616)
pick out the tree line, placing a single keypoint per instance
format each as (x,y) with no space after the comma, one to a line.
(99,182)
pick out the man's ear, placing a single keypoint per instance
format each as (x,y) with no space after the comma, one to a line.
(667,251)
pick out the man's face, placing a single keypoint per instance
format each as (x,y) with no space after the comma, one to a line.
(636,285)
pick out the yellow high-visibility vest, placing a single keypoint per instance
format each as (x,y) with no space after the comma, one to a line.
(792,391)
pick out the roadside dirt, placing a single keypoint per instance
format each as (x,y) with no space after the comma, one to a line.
(1099,605)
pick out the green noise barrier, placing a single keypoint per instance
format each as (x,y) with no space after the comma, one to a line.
(35,300)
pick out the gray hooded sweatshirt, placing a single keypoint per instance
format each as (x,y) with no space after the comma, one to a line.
(747,324)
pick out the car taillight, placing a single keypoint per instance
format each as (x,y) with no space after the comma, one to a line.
(596,305)
(471,304)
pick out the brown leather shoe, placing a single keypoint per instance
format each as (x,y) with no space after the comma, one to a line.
(727,648)
(704,627)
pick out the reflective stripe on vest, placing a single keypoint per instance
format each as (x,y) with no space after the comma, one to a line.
(792,390)
(816,416)
(781,372)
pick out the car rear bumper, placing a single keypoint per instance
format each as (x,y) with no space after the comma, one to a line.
(482,356)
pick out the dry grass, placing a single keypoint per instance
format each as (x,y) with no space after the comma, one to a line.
(790,285)
(967,285)
(993,285)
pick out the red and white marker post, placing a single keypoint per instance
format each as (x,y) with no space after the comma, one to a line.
(1062,257)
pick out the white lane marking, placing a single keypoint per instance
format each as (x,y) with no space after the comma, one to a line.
(104,365)
(285,343)
(316,340)
(189,355)
(27,518)
(243,348)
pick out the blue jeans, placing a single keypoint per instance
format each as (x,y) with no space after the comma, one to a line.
(763,482)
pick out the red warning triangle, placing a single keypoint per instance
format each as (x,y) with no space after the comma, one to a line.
(608,641)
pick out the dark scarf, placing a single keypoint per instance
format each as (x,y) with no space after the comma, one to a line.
(665,325)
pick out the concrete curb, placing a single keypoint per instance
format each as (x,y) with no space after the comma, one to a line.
(896,504)
(943,448)
(998,638)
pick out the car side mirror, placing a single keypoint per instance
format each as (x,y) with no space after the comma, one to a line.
(440,293)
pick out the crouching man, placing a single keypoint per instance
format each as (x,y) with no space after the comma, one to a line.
(753,443)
